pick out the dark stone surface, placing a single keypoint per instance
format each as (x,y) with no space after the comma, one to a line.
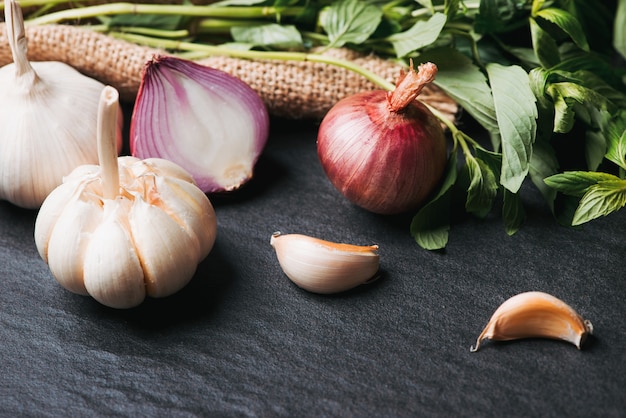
(242,340)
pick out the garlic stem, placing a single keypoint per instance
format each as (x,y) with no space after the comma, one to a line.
(107,141)
(16,35)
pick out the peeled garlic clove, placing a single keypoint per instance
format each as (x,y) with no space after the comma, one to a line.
(324,267)
(536,315)
(67,243)
(167,253)
(112,272)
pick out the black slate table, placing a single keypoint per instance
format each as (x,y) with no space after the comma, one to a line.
(242,340)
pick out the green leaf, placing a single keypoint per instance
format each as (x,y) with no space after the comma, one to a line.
(615,135)
(350,21)
(536,6)
(543,164)
(567,23)
(428,4)
(600,200)
(517,113)
(431,225)
(619,28)
(465,83)
(483,187)
(421,34)
(163,22)
(513,213)
(577,183)
(271,35)
(495,15)
(595,148)
(570,100)
(545,47)
(450,8)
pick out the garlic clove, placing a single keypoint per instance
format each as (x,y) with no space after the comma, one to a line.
(167,254)
(67,243)
(322,266)
(53,207)
(535,315)
(187,204)
(111,268)
(162,167)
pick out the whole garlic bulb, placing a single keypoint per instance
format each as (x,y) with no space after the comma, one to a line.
(125,229)
(48,118)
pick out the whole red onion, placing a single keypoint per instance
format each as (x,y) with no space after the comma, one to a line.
(384,151)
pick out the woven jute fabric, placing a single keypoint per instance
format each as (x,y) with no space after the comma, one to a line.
(290,89)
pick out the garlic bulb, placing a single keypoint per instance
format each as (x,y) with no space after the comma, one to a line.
(324,267)
(536,315)
(48,118)
(126,229)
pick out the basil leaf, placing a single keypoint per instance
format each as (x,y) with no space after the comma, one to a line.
(465,83)
(431,225)
(350,21)
(543,163)
(615,135)
(517,113)
(600,200)
(483,188)
(570,100)
(451,7)
(271,35)
(577,183)
(421,34)
(544,45)
(567,23)
(495,15)
(428,4)
(619,28)
(152,21)
(595,148)
(513,213)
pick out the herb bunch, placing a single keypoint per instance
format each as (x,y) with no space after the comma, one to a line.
(546,81)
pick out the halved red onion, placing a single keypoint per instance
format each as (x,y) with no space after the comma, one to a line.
(207,121)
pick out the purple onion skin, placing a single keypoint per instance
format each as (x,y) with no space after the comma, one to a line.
(163,101)
(384,161)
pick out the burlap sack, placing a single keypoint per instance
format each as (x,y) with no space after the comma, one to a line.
(290,89)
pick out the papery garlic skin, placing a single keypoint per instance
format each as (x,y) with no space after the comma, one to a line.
(536,315)
(48,114)
(322,266)
(147,241)
(127,228)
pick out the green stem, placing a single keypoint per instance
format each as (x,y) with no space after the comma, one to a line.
(165,9)
(255,55)
(160,33)
(474,45)
(424,12)
(222,26)
(33,3)
(278,55)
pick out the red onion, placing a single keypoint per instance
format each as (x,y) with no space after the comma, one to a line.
(384,151)
(211,123)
